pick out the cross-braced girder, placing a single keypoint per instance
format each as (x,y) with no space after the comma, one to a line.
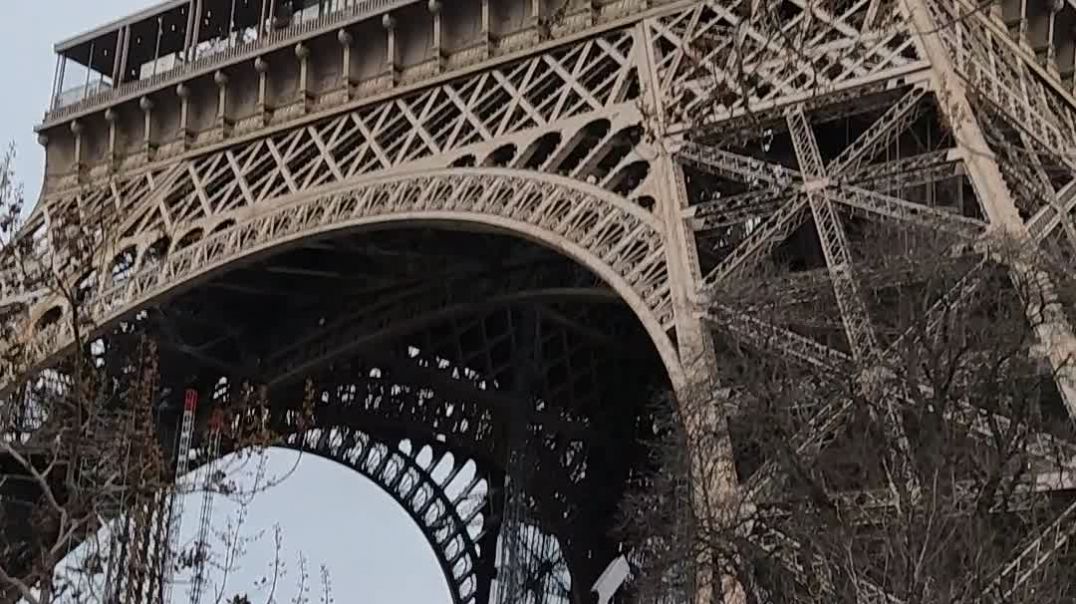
(441,370)
(452,384)
(802,127)
(752,196)
(617,233)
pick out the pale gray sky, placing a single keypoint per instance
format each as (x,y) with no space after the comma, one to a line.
(375,553)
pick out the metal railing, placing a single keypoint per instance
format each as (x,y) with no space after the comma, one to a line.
(247,50)
(77,93)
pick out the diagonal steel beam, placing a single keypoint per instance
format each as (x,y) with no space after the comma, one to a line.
(1055,214)
(777,227)
(858,328)
(768,337)
(400,316)
(887,206)
(734,166)
(880,134)
(1033,555)
(735,209)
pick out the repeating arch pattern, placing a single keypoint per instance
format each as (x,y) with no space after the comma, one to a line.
(428,387)
(619,241)
(471,111)
(444,495)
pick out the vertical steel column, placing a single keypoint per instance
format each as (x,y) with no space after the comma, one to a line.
(117,60)
(157,45)
(188,33)
(57,84)
(125,50)
(196,35)
(1053,328)
(89,70)
(701,408)
(233,37)
(263,24)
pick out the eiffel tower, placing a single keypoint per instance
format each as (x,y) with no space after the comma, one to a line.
(444,216)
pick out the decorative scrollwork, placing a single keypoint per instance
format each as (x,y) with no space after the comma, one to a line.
(620,242)
(445,496)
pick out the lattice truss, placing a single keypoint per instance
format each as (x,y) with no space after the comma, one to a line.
(787,168)
(541,93)
(417,414)
(455,386)
(446,495)
(550,142)
(1029,123)
(624,236)
(419,342)
(718,58)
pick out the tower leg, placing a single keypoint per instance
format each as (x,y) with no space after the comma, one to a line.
(702,409)
(1052,328)
(714,492)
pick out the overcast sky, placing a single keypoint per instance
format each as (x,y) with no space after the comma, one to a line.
(375,553)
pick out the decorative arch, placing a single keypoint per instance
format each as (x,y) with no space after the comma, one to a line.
(617,240)
(444,495)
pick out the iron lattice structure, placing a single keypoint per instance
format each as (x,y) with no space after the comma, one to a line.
(511,215)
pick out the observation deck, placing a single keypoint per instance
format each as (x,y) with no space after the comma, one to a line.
(186,75)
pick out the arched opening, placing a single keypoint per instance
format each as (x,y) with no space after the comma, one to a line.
(193,236)
(510,370)
(354,540)
(223,225)
(580,147)
(628,178)
(372,549)
(501,156)
(536,155)
(646,202)
(616,150)
(465,161)
(50,318)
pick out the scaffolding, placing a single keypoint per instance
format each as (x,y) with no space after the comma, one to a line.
(183,457)
(138,514)
(531,567)
(216,422)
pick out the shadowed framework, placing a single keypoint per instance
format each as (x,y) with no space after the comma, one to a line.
(442,364)
(269,206)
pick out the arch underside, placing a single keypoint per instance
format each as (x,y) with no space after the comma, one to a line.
(306,257)
(620,243)
(429,340)
(444,495)
(402,296)
(547,150)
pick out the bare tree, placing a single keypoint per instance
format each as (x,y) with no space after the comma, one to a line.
(947,465)
(934,465)
(85,461)
(59,477)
